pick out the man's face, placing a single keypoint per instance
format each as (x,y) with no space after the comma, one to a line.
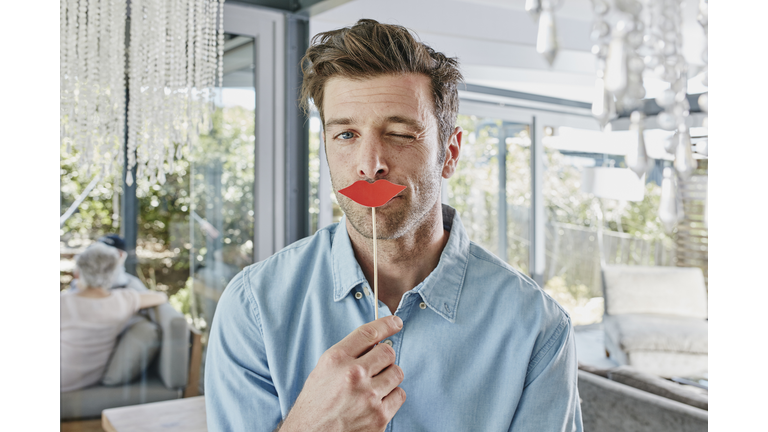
(385,128)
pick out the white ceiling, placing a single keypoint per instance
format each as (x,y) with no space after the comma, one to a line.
(495,40)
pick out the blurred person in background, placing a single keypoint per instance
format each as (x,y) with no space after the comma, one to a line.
(92,316)
(122,278)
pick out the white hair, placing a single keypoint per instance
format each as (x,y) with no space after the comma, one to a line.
(97,265)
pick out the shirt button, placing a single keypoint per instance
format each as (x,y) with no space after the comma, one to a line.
(388,342)
(358,295)
(423,305)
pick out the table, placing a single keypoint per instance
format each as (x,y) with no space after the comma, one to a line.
(187,415)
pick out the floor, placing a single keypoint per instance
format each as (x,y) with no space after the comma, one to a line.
(82,426)
(590,349)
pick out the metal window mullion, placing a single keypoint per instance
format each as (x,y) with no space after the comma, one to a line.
(502,210)
(537,255)
(296,133)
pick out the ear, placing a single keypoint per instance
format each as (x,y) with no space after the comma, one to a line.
(452,153)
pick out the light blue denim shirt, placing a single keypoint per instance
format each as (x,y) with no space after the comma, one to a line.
(482,347)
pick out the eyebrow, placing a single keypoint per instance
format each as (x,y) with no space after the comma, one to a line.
(415,124)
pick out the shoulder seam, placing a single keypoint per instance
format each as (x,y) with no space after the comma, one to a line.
(548,345)
(524,277)
(249,292)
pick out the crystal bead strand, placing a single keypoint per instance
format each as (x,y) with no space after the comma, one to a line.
(210,56)
(203,61)
(81,90)
(72,70)
(603,108)
(144,100)
(158,91)
(180,70)
(88,84)
(190,69)
(173,31)
(119,65)
(63,65)
(105,107)
(213,7)
(151,97)
(199,65)
(221,46)
(92,77)
(134,84)
(171,84)
(89,88)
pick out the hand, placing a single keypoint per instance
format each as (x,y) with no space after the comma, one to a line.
(354,386)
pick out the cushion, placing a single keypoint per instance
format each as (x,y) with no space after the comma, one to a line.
(89,402)
(659,386)
(644,332)
(658,290)
(134,351)
(668,364)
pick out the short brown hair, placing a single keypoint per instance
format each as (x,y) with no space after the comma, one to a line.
(369,49)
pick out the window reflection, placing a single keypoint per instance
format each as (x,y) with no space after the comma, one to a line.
(221,221)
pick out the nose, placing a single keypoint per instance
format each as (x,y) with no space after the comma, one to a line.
(372,163)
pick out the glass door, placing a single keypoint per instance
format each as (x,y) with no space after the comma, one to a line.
(237,174)
(222,184)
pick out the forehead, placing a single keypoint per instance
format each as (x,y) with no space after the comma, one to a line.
(384,95)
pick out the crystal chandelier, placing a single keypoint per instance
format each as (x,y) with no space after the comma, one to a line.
(647,37)
(173,58)
(543,12)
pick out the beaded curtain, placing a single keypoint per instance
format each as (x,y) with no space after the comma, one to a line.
(171,64)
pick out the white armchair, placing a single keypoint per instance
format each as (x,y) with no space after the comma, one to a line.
(656,319)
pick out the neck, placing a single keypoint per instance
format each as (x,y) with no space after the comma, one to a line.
(97,292)
(403,262)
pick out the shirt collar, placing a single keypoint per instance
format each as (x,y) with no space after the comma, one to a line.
(440,290)
(347,273)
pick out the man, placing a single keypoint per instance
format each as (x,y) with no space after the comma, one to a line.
(468,343)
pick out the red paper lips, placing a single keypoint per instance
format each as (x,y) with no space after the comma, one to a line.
(374,194)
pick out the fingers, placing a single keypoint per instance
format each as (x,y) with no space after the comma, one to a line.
(365,336)
(378,359)
(385,382)
(392,402)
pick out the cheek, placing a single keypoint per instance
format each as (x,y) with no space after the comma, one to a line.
(336,159)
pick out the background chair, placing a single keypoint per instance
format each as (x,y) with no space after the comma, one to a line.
(607,405)
(656,319)
(173,374)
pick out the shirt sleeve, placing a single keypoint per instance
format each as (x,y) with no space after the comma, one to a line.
(131,301)
(239,392)
(550,400)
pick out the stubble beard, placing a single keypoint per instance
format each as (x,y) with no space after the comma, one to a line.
(402,216)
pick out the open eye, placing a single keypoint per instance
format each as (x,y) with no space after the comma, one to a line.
(346,135)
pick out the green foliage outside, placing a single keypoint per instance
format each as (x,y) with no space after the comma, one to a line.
(181,300)
(566,203)
(474,190)
(222,194)
(164,210)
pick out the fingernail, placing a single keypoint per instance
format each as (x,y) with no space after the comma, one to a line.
(398,321)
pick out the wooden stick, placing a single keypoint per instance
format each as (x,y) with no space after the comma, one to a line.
(375,268)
